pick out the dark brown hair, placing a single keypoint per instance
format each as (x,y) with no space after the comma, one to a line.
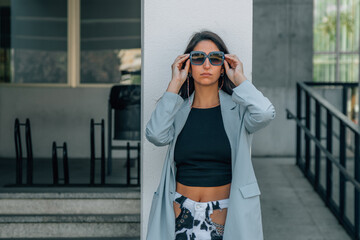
(195,39)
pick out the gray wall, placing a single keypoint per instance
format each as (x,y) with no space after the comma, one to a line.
(282,55)
(56,114)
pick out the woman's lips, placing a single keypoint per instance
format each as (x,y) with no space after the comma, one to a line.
(205,74)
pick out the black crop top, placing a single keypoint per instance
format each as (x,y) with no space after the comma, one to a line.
(202,152)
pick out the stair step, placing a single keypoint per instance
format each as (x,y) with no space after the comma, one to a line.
(78,218)
(75,195)
(70,203)
(70,213)
(70,226)
(86,238)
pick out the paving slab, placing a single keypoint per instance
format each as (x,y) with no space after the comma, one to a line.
(291,209)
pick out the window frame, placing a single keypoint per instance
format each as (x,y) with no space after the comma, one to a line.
(73,55)
(338,53)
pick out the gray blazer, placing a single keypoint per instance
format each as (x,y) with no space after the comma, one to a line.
(243,113)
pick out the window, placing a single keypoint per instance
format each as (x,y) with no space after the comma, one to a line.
(336,46)
(110,41)
(336,40)
(33,42)
(39,42)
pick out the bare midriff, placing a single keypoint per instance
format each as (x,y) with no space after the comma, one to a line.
(204,194)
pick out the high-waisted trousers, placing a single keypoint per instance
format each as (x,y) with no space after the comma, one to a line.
(194,221)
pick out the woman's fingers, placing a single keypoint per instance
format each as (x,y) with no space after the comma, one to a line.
(233,60)
(232,57)
(226,65)
(177,71)
(187,65)
(180,59)
(181,56)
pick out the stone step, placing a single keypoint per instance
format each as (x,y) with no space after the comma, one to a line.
(83,218)
(122,202)
(70,226)
(87,238)
(70,213)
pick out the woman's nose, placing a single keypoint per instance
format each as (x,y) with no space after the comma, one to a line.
(206,63)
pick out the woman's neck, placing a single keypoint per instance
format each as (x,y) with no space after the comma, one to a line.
(205,97)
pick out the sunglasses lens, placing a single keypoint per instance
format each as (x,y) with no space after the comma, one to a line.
(197,58)
(216,58)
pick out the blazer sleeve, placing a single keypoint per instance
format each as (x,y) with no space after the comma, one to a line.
(160,128)
(259,111)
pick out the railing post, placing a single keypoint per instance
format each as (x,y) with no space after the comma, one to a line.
(307,139)
(29,167)
(18,150)
(109,150)
(298,128)
(317,149)
(55,164)
(65,164)
(357,193)
(92,152)
(329,127)
(344,99)
(342,183)
(128,163)
(102,151)
(139,164)
(340,162)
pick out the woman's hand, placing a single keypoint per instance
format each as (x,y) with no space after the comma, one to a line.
(234,69)
(179,75)
(177,72)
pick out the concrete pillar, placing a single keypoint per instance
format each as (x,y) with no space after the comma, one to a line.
(166,30)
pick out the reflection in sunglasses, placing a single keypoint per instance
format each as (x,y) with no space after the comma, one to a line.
(198,57)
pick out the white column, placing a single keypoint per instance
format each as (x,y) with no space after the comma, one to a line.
(166,30)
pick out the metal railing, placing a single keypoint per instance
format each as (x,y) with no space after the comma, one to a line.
(324,145)
(19,152)
(63,173)
(55,164)
(92,151)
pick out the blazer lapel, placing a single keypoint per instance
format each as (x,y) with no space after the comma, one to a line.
(231,123)
(183,114)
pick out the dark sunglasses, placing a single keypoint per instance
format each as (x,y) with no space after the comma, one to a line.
(198,58)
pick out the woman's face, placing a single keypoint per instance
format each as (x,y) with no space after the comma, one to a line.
(198,71)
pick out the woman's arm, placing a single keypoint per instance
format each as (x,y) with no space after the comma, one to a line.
(160,129)
(259,110)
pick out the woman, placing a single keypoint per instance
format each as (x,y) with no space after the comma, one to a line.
(208,160)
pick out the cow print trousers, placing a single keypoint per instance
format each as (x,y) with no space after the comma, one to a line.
(194,221)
